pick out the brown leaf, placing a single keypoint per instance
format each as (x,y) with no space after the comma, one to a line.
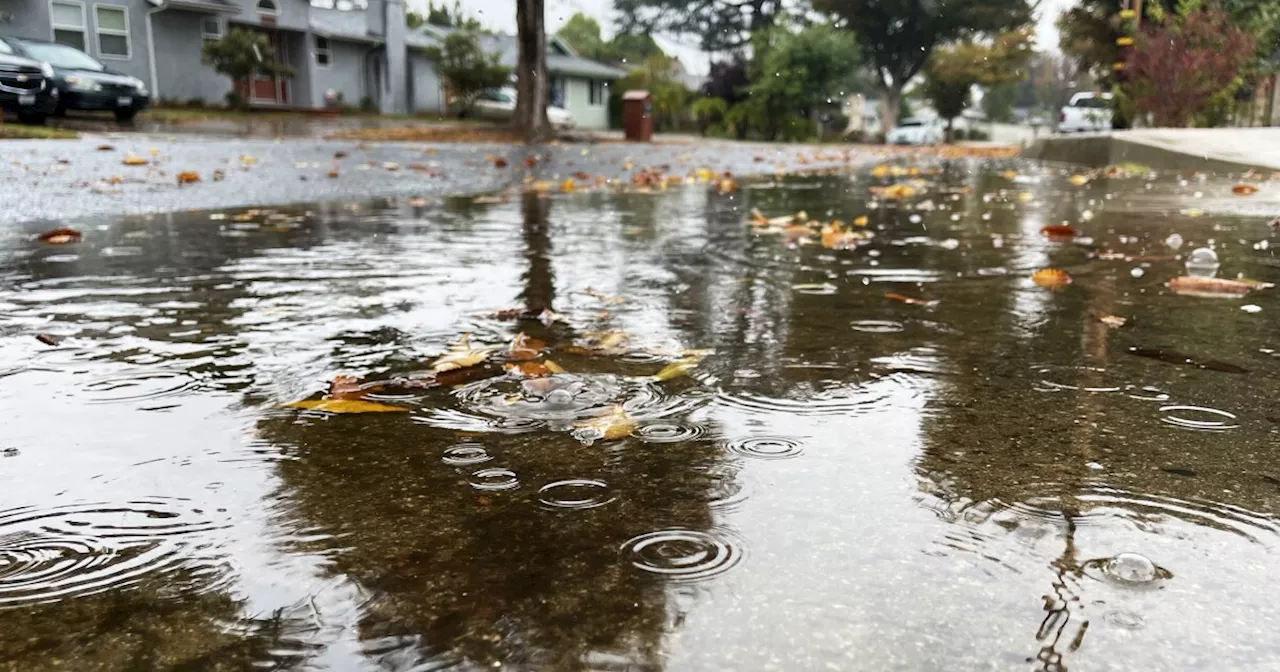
(1059,232)
(48,339)
(1244,189)
(1051,278)
(524,347)
(582,175)
(499,162)
(617,424)
(106,148)
(339,155)
(346,406)
(1113,320)
(529,369)
(910,300)
(460,356)
(1208,287)
(218,175)
(530,162)
(346,387)
(417,202)
(333,172)
(60,236)
(188,177)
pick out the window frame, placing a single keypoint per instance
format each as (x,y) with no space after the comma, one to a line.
(54,26)
(219,22)
(326,50)
(274,11)
(597,92)
(126,33)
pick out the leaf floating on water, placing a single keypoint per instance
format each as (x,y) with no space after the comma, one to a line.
(524,347)
(1193,212)
(346,387)
(60,236)
(106,148)
(1180,359)
(132,159)
(617,424)
(1244,189)
(1051,278)
(531,369)
(1078,180)
(909,300)
(460,356)
(188,177)
(1113,320)
(678,368)
(1025,197)
(1059,232)
(568,186)
(346,406)
(894,192)
(1212,288)
(48,339)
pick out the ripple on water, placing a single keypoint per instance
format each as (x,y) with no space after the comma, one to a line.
(48,555)
(1198,418)
(575,493)
(139,386)
(465,454)
(669,432)
(494,478)
(1075,378)
(685,555)
(840,399)
(877,326)
(766,447)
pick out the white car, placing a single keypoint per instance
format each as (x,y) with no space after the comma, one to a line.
(500,105)
(1085,113)
(915,132)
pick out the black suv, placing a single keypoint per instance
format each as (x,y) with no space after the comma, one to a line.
(82,82)
(26,87)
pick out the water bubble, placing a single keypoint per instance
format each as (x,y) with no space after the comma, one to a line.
(575,493)
(660,432)
(559,397)
(495,478)
(1137,272)
(1251,308)
(465,453)
(766,447)
(684,555)
(1198,418)
(1131,568)
(1202,262)
(1174,241)
(877,326)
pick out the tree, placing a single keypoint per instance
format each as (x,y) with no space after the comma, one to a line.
(720,25)
(465,67)
(1186,68)
(953,70)
(444,17)
(898,36)
(796,74)
(240,54)
(998,102)
(728,80)
(583,34)
(530,117)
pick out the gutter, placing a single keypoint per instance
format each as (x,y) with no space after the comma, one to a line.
(151,48)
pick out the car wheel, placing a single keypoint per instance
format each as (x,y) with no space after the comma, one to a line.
(126,115)
(33,118)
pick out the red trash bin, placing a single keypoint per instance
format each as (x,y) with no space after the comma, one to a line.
(637,115)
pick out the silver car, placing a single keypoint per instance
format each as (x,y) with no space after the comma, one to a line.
(500,105)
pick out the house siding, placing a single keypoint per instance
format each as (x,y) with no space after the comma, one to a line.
(293,15)
(181,75)
(344,74)
(577,97)
(30,19)
(427,96)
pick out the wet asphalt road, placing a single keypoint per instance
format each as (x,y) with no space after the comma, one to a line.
(62,181)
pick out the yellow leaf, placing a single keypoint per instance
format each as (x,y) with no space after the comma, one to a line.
(1024,196)
(553,367)
(611,427)
(247,160)
(460,356)
(860,220)
(1078,180)
(541,185)
(881,170)
(568,186)
(705,174)
(677,368)
(132,159)
(346,406)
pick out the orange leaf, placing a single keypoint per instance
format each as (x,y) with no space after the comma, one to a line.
(909,300)
(1208,287)
(1059,232)
(582,175)
(1244,190)
(333,173)
(529,369)
(346,406)
(60,236)
(188,176)
(530,162)
(1051,278)
(524,347)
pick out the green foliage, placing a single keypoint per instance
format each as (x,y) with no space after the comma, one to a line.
(659,75)
(465,67)
(719,25)
(583,34)
(796,74)
(955,69)
(998,102)
(707,112)
(898,36)
(241,54)
(444,17)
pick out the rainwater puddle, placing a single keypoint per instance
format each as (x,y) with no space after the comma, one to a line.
(350,435)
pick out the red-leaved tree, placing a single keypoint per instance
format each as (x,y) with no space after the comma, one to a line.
(1185,65)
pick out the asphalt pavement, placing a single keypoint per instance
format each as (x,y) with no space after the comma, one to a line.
(65,180)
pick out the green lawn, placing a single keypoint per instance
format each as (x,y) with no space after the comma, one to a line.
(183,115)
(24,132)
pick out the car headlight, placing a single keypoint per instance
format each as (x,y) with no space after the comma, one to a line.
(46,70)
(82,83)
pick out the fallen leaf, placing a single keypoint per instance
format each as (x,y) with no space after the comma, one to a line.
(339,155)
(460,356)
(1059,232)
(1051,278)
(860,220)
(530,162)
(391,166)
(499,163)
(568,186)
(1209,287)
(894,192)
(132,159)
(607,342)
(1078,180)
(626,165)
(218,175)
(524,347)
(246,160)
(60,236)
(1193,212)
(726,184)
(678,368)
(346,406)
(188,177)
(529,369)
(106,148)
(345,387)
(333,172)
(542,186)
(617,424)
(48,339)
(1009,174)
(1024,196)
(894,296)
(154,151)
(1244,190)
(1113,320)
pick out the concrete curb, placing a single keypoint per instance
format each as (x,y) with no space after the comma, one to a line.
(1232,150)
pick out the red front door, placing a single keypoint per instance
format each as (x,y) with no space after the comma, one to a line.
(272,90)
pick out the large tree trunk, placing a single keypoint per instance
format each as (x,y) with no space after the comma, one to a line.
(532,82)
(890,97)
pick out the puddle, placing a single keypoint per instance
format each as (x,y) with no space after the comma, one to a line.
(601,430)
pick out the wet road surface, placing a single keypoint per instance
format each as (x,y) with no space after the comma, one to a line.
(899,454)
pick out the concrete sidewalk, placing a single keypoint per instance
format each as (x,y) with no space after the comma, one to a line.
(1212,149)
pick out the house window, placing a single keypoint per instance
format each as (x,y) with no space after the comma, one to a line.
(268,7)
(113,31)
(68,24)
(598,93)
(211,28)
(324,54)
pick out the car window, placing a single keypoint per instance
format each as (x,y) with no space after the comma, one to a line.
(62,56)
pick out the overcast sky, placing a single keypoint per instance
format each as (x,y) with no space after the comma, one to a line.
(500,15)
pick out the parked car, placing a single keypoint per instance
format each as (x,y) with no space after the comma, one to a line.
(1086,112)
(26,87)
(914,132)
(82,82)
(500,105)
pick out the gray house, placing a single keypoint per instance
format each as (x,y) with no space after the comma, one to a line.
(349,51)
